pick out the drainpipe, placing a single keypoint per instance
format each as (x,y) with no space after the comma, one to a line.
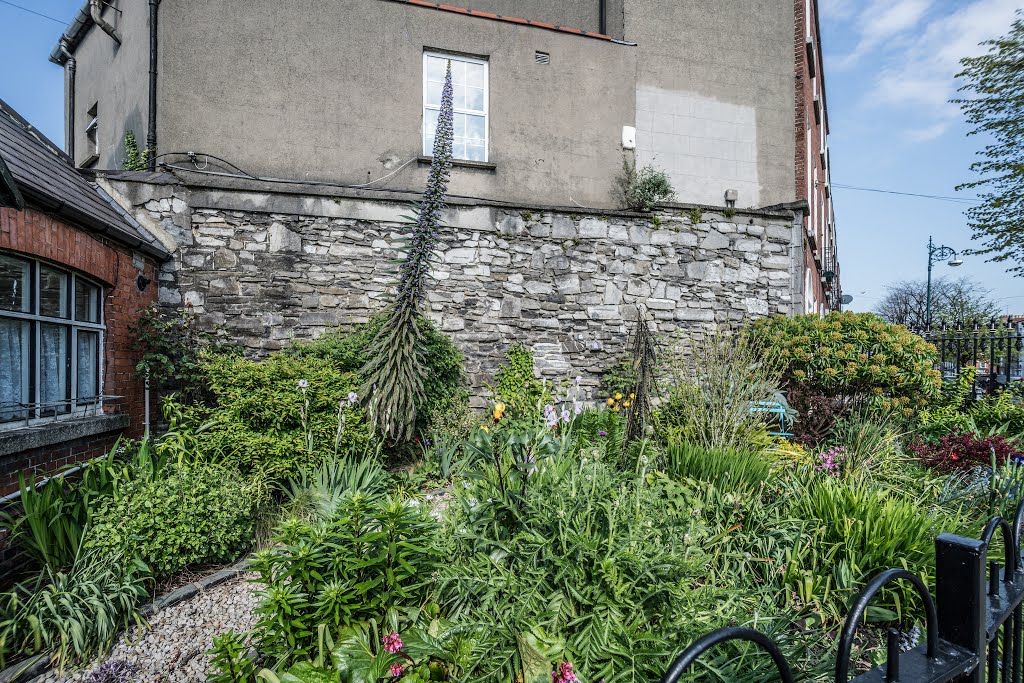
(70,65)
(96,12)
(602,20)
(153,35)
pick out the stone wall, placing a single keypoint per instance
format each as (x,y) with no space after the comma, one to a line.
(274,267)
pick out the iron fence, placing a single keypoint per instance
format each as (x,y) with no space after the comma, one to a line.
(973,624)
(995,348)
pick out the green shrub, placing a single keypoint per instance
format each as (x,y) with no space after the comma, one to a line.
(713,382)
(262,422)
(646,188)
(445,391)
(172,346)
(855,531)
(1002,412)
(727,469)
(315,494)
(372,556)
(517,386)
(854,357)
(74,613)
(191,514)
(595,568)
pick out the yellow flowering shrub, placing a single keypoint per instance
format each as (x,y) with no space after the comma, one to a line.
(847,354)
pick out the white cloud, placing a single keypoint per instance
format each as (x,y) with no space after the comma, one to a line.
(883,20)
(928,133)
(916,53)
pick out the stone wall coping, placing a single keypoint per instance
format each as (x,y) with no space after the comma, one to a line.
(207,181)
(58,431)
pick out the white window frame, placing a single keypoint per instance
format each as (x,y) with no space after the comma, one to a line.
(35,410)
(486,113)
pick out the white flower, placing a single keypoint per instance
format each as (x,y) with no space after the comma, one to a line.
(352,397)
(303,384)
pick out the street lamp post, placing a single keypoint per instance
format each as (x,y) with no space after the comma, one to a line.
(936,254)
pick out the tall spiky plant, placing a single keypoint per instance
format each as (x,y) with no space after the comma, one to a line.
(395,370)
(645,357)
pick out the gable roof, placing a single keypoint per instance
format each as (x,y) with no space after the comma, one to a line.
(47,179)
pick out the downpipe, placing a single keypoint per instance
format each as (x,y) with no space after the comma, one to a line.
(71,66)
(96,12)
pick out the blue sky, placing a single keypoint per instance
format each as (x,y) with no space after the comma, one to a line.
(889,76)
(889,67)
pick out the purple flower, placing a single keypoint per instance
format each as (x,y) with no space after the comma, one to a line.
(393,643)
(602,434)
(352,397)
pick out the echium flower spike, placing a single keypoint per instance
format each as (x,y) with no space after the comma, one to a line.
(394,371)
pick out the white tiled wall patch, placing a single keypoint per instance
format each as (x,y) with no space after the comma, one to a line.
(706,146)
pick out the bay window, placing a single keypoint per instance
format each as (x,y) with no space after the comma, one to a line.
(51,337)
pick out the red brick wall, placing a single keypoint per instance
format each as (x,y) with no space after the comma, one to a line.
(809,128)
(37,234)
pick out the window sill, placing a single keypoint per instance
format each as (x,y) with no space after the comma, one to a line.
(58,431)
(89,161)
(461,163)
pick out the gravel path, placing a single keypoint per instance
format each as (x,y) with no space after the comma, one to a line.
(174,646)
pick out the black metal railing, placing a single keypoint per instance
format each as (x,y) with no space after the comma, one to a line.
(995,348)
(973,624)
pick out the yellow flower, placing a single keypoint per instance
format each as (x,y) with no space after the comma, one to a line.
(611,401)
(625,404)
(632,396)
(485,428)
(618,397)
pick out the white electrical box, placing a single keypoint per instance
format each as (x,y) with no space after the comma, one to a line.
(628,137)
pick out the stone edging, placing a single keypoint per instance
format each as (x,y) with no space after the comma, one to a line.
(35,667)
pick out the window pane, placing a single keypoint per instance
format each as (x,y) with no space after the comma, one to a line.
(88,366)
(53,292)
(474,99)
(459,125)
(475,75)
(476,151)
(87,302)
(434,93)
(429,128)
(436,69)
(13,369)
(459,97)
(53,369)
(476,128)
(14,289)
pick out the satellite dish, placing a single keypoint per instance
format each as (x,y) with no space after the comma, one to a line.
(847,298)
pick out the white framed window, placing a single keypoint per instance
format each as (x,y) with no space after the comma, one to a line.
(470,100)
(51,341)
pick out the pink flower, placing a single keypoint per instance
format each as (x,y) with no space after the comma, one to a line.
(393,643)
(396,669)
(564,674)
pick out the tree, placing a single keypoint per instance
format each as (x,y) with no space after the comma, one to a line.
(953,301)
(994,105)
(395,370)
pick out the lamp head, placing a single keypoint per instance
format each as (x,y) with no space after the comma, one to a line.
(956,262)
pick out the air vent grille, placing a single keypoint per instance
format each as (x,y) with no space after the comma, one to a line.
(542,58)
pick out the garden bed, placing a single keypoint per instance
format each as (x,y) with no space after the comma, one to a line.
(181,626)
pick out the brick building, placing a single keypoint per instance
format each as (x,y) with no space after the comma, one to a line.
(74,271)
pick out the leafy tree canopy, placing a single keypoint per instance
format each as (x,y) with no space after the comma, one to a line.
(993,102)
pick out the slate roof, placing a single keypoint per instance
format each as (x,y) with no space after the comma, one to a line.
(48,180)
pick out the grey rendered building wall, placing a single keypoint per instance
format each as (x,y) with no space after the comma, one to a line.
(582,14)
(332,91)
(715,96)
(115,78)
